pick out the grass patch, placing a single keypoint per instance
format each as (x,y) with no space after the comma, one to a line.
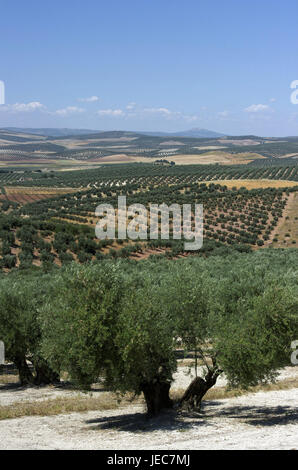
(110,401)
(219,393)
(9,379)
(64,405)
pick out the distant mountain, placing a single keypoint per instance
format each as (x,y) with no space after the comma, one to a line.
(65,132)
(50,132)
(195,133)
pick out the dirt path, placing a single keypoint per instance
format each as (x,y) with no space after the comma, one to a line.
(287,229)
(282,220)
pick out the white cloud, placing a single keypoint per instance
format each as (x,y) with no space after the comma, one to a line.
(142,113)
(69,110)
(257,108)
(23,107)
(190,118)
(272,100)
(131,106)
(164,111)
(111,112)
(223,114)
(168,114)
(90,99)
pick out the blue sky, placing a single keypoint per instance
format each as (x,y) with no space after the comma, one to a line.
(164,65)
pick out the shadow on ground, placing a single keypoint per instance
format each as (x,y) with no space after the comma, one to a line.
(139,422)
(182,421)
(260,416)
(17,387)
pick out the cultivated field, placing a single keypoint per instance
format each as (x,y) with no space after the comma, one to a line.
(75,308)
(17,148)
(255,184)
(220,157)
(26,195)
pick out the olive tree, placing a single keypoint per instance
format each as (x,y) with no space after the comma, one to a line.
(253,336)
(16,319)
(79,321)
(240,321)
(101,324)
(146,344)
(188,300)
(120,322)
(20,299)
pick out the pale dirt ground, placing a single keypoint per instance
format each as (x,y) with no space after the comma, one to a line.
(254,184)
(263,420)
(219,156)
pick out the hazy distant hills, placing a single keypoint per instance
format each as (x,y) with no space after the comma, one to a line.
(50,132)
(57,132)
(196,133)
(54,146)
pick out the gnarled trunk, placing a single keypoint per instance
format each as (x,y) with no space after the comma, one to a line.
(157,396)
(192,398)
(44,374)
(25,374)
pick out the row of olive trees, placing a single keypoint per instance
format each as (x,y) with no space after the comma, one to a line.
(120,322)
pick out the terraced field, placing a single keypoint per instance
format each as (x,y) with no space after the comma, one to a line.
(51,223)
(144,174)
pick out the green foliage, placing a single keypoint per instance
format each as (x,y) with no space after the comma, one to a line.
(145,336)
(79,325)
(17,316)
(120,322)
(254,341)
(254,319)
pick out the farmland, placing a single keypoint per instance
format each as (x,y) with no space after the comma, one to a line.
(49,218)
(58,279)
(17,148)
(149,229)
(286,232)
(143,174)
(24,195)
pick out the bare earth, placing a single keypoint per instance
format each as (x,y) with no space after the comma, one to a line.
(263,420)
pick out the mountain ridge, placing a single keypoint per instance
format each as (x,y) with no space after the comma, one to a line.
(65,132)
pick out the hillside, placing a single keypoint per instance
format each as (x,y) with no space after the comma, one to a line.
(57,148)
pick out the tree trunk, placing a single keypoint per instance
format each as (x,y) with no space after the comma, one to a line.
(157,397)
(192,398)
(44,374)
(25,374)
